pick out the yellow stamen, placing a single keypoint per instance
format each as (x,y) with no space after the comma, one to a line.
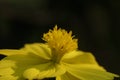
(60,40)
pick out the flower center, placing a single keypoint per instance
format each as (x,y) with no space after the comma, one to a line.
(60,41)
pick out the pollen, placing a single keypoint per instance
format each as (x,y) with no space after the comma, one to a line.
(60,40)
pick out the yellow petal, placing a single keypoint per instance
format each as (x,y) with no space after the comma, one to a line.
(79,57)
(90,72)
(46,70)
(67,76)
(9,52)
(7,63)
(39,71)
(39,49)
(50,70)
(6,71)
(24,62)
(31,73)
(8,77)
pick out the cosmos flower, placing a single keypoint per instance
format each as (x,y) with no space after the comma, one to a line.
(58,57)
(6,70)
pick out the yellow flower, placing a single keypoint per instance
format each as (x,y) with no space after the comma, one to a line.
(58,57)
(6,70)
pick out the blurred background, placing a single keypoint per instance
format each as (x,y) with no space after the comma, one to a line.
(95,23)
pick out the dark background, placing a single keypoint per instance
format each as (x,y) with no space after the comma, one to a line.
(95,23)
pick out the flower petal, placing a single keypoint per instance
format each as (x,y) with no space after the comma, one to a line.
(6,67)
(67,76)
(79,57)
(46,70)
(6,77)
(31,73)
(9,52)
(7,63)
(39,49)
(6,71)
(50,70)
(90,72)
(24,62)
